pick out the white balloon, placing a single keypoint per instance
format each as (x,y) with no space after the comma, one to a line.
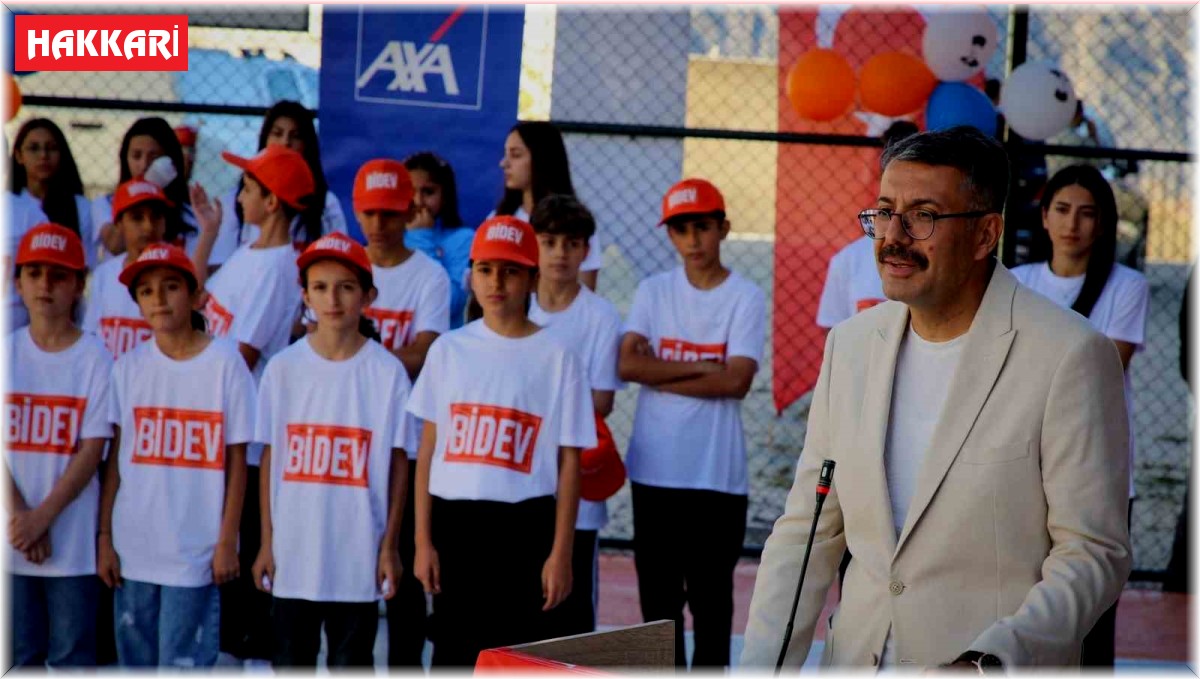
(958,44)
(1038,100)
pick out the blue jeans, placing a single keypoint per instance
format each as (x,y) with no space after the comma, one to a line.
(165,626)
(54,621)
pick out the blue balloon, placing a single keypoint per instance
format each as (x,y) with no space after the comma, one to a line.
(957,103)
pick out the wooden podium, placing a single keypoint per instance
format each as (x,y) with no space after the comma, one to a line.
(649,647)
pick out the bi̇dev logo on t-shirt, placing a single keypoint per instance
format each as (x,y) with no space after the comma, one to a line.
(44,424)
(122,334)
(217,317)
(683,350)
(175,437)
(483,434)
(320,453)
(393,326)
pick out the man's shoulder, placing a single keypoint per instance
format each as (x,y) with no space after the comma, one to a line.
(1049,324)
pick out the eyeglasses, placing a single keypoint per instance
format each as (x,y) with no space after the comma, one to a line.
(918,224)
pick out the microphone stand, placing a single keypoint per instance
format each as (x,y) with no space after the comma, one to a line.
(823,483)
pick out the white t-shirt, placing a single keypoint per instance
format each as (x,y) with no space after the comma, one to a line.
(53,401)
(1119,313)
(503,406)
(592,326)
(110,311)
(920,386)
(331,426)
(24,213)
(851,285)
(414,297)
(255,299)
(176,419)
(682,441)
(228,240)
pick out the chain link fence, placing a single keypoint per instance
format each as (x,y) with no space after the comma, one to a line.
(646,96)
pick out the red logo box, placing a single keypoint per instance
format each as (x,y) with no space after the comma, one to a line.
(101,42)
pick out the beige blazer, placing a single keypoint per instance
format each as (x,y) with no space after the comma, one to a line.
(1016,539)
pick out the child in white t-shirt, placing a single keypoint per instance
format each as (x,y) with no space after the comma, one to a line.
(253,299)
(182,406)
(334,471)
(57,400)
(591,325)
(506,410)
(693,339)
(139,211)
(411,310)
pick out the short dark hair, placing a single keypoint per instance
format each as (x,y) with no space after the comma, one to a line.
(981,159)
(559,214)
(897,131)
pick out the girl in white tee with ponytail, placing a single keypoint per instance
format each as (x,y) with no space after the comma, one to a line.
(507,410)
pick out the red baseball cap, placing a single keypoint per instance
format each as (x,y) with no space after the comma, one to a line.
(382,184)
(281,170)
(186,134)
(337,246)
(135,192)
(506,238)
(51,244)
(601,471)
(158,254)
(691,197)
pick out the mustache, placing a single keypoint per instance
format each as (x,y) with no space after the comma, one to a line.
(895,251)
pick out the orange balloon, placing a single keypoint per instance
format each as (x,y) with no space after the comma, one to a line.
(895,83)
(14,99)
(821,85)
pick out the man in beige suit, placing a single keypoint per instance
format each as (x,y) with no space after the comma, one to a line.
(980,438)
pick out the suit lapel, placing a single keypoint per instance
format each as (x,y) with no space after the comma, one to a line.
(877,405)
(983,356)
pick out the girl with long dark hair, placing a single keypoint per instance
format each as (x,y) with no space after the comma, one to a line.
(43,168)
(535,166)
(1079,216)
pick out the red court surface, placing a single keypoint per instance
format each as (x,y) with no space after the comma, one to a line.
(1150,625)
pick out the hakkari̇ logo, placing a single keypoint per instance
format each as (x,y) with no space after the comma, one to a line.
(101,42)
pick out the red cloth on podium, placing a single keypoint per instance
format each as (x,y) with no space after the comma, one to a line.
(507,661)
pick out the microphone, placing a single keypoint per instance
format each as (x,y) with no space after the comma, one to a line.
(823,483)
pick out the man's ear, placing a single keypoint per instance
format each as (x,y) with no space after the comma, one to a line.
(725,226)
(991,226)
(272,203)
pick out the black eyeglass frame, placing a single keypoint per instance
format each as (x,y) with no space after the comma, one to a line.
(865,217)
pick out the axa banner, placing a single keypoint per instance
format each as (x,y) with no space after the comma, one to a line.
(395,81)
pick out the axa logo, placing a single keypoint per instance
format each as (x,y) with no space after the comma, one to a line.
(424,59)
(100,42)
(411,65)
